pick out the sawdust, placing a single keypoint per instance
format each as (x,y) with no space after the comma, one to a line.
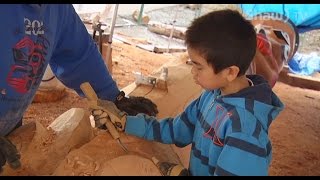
(33,140)
(96,157)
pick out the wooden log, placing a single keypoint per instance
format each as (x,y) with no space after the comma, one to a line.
(50,89)
(43,149)
(45,96)
(165,29)
(144,18)
(135,166)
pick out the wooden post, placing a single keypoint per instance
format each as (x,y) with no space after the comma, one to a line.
(107,60)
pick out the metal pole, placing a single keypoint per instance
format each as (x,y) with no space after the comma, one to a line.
(171,33)
(140,14)
(198,11)
(113,22)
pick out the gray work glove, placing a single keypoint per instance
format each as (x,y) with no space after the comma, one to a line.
(9,154)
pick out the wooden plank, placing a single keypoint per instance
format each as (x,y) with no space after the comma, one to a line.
(124,40)
(130,40)
(181,90)
(147,47)
(172,49)
(130,88)
(308,82)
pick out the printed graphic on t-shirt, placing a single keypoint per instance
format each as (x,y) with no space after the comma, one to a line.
(34,27)
(29,63)
(29,57)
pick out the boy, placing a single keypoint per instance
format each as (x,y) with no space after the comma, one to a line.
(228,124)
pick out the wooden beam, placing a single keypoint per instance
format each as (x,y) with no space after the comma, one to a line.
(308,82)
(165,29)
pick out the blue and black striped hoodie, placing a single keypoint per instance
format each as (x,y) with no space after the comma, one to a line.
(229,134)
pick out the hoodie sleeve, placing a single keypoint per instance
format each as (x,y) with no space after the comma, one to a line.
(178,130)
(76,58)
(242,155)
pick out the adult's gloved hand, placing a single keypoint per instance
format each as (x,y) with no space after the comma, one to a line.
(8,153)
(134,105)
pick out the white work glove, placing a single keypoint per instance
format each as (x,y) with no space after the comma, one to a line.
(108,111)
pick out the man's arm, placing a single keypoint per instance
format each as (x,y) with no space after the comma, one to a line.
(76,58)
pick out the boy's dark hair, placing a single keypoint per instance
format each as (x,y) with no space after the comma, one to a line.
(224,38)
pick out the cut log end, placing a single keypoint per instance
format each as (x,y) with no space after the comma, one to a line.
(49,95)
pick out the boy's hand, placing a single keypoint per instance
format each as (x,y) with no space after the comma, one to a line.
(8,153)
(106,110)
(134,105)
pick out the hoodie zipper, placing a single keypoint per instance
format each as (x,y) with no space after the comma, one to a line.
(213,101)
(212,104)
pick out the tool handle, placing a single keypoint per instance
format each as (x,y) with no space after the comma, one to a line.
(92,96)
(113,131)
(88,91)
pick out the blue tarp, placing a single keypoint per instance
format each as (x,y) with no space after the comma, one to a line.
(305,64)
(305,16)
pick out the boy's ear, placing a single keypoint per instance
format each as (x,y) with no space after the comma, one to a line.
(232,73)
